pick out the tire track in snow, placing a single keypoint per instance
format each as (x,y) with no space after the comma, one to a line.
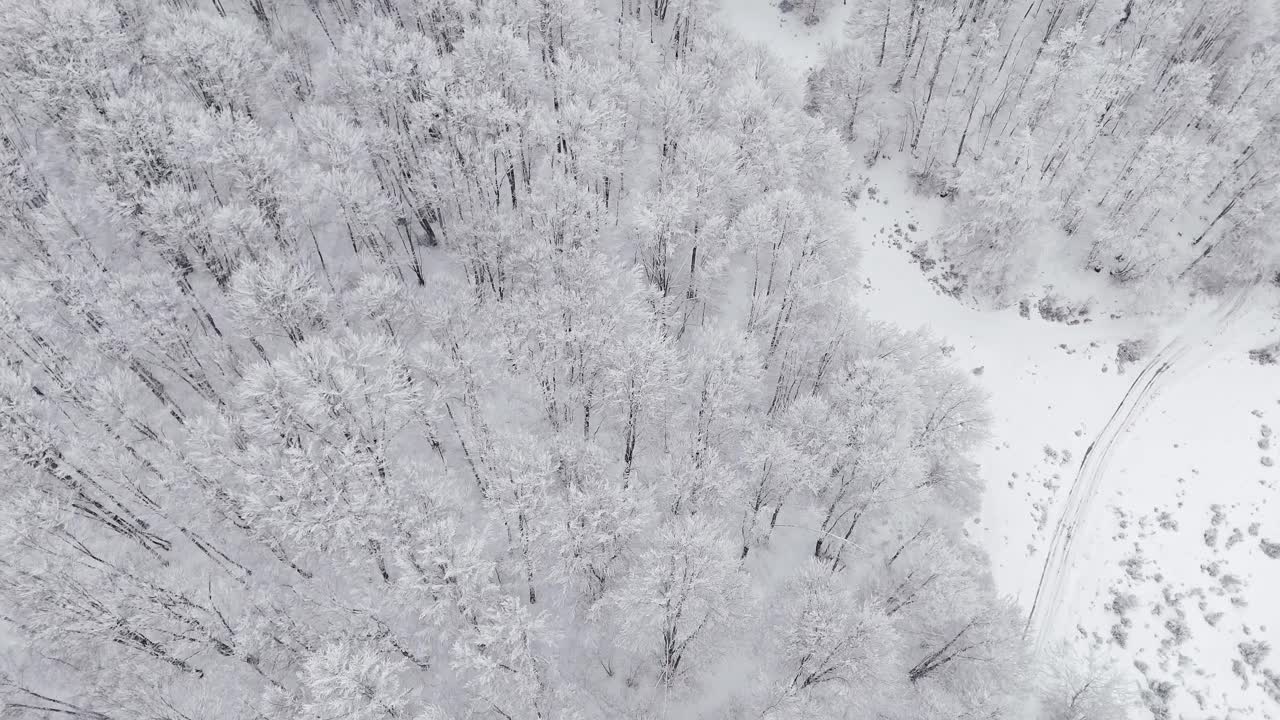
(1054,577)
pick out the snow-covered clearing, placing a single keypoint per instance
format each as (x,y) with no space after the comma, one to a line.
(1054,587)
(1161,554)
(786,36)
(1177,437)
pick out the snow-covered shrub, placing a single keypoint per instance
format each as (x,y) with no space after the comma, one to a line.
(1056,308)
(811,12)
(1131,351)
(1270,549)
(1267,354)
(1254,652)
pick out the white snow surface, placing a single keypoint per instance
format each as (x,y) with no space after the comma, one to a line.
(785,34)
(1177,466)
(1179,444)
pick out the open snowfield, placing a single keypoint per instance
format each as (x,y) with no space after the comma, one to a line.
(1154,483)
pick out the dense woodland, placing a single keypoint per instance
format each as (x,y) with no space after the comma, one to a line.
(1136,138)
(461,358)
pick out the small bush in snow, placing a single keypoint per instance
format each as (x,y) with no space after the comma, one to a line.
(1156,697)
(1272,684)
(1121,603)
(1120,635)
(1272,550)
(1267,354)
(1133,566)
(1178,629)
(1131,351)
(1254,652)
(1057,309)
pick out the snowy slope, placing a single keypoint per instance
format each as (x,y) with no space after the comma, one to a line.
(1176,476)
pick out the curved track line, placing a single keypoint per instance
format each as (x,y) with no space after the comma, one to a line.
(1054,576)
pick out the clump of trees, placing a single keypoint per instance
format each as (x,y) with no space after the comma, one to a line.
(1133,138)
(459,359)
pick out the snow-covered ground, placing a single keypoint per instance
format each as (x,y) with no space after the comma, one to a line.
(1169,444)
(787,37)
(1177,496)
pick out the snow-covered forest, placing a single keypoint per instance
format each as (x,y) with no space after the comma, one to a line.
(1134,137)
(428,359)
